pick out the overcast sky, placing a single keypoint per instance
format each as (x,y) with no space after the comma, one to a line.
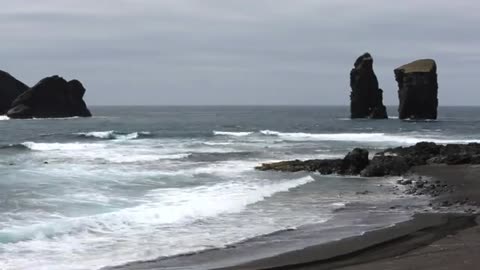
(170,52)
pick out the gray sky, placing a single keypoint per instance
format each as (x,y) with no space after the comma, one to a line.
(174,52)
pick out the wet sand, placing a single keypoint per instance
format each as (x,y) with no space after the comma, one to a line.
(460,250)
(428,241)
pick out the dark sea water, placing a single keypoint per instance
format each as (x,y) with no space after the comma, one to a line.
(137,183)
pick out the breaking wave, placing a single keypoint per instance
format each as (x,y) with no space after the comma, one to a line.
(14,147)
(61,146)
(360,137)
(348,137)
(167,206)
(114,135)
(219,156)
(234,134)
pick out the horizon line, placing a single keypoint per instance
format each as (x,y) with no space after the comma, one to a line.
(250,105)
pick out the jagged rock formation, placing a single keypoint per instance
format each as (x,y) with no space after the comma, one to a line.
(51,97)
(417,89)
(10,89)
(394,161)
(366,98)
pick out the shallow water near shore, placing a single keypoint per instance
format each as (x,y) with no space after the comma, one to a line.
(137,183)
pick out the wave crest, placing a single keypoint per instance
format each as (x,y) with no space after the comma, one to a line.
(361,137)
(234,134)
(219,156)
(167,206)
(114,135)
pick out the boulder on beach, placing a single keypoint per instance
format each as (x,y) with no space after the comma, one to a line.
(366,99)
(382,165)
(417,89)
(52,97)
(10,89)
(355,161)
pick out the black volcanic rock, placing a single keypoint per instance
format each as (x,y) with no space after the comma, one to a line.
(390,162)
(366,98)
(417,89)
(10,89)
(51,97)
(382,165)
(324,166)
(353,163)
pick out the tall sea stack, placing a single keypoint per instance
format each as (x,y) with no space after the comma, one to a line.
(417,89)
(366,98)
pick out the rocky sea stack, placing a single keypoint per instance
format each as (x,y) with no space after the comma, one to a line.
(418,89)
(366,98)
(52,97)
(10,89)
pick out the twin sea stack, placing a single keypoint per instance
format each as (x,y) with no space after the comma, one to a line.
(52,97)
(418,90)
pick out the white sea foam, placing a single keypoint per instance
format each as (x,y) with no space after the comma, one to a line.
(164,206)
(103,153)
(111,134)
(350,137)
(4,117)
(226,168)
(61,146)
(138,157)
(218,143)
(361,137)
(234,134)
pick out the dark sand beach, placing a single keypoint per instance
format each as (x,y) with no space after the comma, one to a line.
(446,237)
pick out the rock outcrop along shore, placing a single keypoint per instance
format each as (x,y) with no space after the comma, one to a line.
(366,98)
(391,162)
(417,89)
(52,97)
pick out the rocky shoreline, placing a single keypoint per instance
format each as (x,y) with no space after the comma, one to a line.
(406,162)
(390,162)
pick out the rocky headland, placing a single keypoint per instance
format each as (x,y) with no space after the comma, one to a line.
(52,97)
(366,97)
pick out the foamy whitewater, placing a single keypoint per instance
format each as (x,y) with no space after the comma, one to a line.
(138,183)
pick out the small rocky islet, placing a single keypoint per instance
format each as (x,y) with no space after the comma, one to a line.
(51,97)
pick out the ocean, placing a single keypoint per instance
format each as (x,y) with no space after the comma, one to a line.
(139,183)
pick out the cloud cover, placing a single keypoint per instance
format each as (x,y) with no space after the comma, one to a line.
(170,52)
